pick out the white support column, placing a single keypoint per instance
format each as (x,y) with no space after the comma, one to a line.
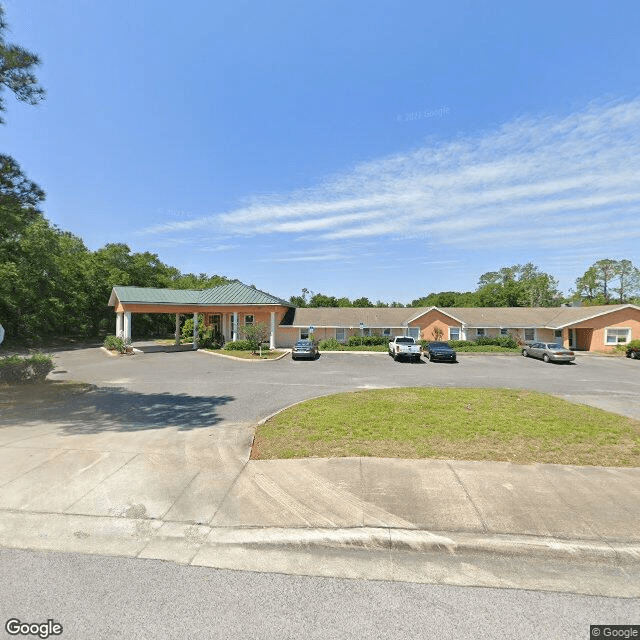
(272,337)
(195,331)
(176,335)
(119,319)
(127,324)
(234,326)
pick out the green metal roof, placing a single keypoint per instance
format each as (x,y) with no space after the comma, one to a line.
(154,296)
(231,293)
(238,293)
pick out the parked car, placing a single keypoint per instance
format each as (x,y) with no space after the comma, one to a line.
(405,347)
(633,352)
(548,351)
(305,349)
(442,351)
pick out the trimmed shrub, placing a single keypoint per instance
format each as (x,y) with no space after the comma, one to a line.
(456,344)
(114,343)
(498,341)
(238,345)
(211,339)
(330,344)
(369,341)
(186,333)
(624,347)
(17,370)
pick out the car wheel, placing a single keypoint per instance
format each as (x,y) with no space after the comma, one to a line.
(635,355)
(545,357)
(524,353)
(395,357)
(430,358)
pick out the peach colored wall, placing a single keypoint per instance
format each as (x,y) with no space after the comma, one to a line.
(432,319)
(623,319)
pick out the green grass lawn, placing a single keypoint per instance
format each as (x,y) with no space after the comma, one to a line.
(12,395)
(455,424)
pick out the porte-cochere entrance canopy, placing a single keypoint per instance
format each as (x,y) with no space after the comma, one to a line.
(228,306)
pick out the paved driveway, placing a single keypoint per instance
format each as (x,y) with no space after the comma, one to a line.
(153,462)
(223,390)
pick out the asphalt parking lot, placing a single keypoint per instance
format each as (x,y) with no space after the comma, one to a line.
(153,462)
(242,391)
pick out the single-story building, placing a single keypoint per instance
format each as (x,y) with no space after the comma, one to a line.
(227,307)
(232,305)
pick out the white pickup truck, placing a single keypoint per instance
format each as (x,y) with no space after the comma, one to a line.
(405,347)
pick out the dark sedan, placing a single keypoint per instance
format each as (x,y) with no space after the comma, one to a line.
(305,349)
(633,352)
(441,351)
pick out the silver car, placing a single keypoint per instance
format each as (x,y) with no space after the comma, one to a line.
(548,351)
(305,349)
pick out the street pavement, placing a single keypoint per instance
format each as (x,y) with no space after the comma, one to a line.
(153,462)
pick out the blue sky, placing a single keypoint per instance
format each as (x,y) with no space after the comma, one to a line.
(352,148)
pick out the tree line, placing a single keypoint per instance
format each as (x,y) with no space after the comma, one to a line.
(52,284)
(607,281)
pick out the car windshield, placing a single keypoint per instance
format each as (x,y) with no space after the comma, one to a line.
(438,344)
(303,343)
(555,345)
(405,340)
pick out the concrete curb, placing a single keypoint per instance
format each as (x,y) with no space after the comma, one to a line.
(155,538)
(419,541)
(222,355)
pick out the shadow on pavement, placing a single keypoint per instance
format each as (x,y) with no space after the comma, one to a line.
(117,409)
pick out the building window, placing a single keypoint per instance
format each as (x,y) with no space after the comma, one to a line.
(480,333)
(304,334)
(386,332)
(341,335)
(557,334)
(454,333)
(617,336)
(504,332)
(529,334)
(413,332)
(248,319)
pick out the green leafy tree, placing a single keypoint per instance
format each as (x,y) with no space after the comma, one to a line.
(320,300)
(517,286)
(255,334)
(362,302)
(17,70)
(588,286)
(606,271)
(598,283)
(628,281)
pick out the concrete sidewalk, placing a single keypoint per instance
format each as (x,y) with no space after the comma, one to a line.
(194,497)
(137,468)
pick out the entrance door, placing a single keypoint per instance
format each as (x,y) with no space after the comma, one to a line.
(215,320)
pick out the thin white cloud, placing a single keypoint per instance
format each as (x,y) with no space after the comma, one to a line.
(538,173)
